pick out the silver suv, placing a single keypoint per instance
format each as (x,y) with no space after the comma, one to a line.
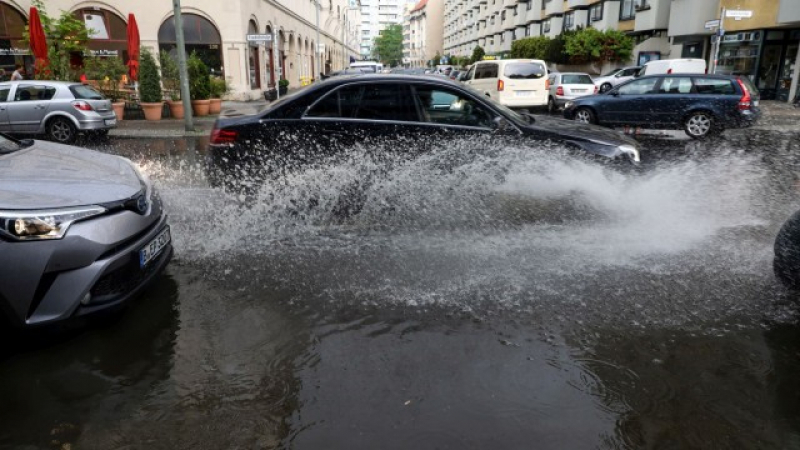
(56,108)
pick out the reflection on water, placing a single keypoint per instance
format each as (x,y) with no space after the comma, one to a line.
(505,302)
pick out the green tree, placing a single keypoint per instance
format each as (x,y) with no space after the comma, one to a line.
(436,58)
(531,48)
(149,78)
(477,54)
(388,47)
(65,36)
(594,46)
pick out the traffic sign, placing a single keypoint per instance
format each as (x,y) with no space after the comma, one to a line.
(259,38)
(712,24)
(739,14)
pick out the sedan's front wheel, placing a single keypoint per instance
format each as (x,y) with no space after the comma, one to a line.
(699,125)
(605,87)
(61,130)
(585,115)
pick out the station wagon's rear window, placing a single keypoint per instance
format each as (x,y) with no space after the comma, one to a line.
(576,79)
(83,92)
(713,86)
(525,71)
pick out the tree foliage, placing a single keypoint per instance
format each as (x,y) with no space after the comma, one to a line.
(170,75)
(388,47)
(593,46)
(65,35)
(149,78)
(531,48)
(477,54)
(199,78)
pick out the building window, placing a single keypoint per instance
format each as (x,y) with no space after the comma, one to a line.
(546,26)
(569,20)
(642,4)
(515,11)
(253,59)
(626,10)
(530,5)
(503,15)
(596,12)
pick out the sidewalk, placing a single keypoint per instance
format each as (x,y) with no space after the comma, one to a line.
(776,116)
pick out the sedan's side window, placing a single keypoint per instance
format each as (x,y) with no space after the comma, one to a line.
(4,90)
(639,87)
(26,92)
(387,102)
(340,103)
(470,73)
(450,108)
(629,72)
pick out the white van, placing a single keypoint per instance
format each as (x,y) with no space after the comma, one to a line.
(666,66)
(516,83)
(371,66)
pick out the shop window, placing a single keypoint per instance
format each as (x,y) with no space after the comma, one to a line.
(201,37)
(13,49)
(253,59)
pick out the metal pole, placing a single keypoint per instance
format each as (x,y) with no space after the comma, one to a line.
(184,76)
(276,47)
(720,34)
(316,50)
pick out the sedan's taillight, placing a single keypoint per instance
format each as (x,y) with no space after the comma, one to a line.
(81,105)
(746,101)
(222,136)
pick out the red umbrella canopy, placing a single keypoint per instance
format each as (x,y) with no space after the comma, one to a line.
(133,47)
(37,39)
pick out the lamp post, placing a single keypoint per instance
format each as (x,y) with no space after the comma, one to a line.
(316,50)
(182,73)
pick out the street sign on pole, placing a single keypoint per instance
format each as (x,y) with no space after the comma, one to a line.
(739,14)
(712,24)
(259,38)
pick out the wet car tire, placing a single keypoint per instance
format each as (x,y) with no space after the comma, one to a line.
(61,130)
(585,115)
(786,264)
(699,125)
(551,105)
(605,87)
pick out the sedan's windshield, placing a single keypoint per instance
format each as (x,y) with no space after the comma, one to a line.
(613,72)
(83,92)
(576,79)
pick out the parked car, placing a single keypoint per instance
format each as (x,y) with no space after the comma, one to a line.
(455,74)
(669,66)
(700,104)
(615,77)
(516,83)
(414,111)
(568,86)
(80,232)
(58,109)
(348,71)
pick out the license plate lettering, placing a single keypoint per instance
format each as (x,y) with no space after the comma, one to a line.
(111,121)
(152,249)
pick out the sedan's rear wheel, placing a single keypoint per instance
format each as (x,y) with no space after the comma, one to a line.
(551,105)
(585,115)
(605,87)
(699,124)
(61,130)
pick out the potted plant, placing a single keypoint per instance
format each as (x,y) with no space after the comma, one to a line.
(219,87)
(104,74)
(149,86)
(283,85)
(199,85)
(170,78)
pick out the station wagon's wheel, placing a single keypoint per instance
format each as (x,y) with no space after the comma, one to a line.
(585,115)
(61,130)
(551,105)
(699,124)
(605,87)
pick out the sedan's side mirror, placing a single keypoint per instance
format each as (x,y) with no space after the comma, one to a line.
(501,124)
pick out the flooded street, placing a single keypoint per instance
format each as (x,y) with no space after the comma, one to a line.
(506,302)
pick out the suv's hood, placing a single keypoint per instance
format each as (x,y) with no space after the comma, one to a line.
(48,175)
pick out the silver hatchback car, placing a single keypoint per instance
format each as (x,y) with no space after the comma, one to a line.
(80,232)
(58,109)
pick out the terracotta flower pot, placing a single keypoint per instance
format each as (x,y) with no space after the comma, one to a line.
(119,109)
(152,111)
(175,109)
(200,107)
(215,106)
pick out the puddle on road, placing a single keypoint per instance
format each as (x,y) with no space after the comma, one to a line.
(498,302)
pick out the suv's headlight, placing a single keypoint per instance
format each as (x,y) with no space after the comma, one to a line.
(44,224)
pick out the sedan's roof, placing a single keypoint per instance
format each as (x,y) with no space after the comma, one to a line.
(379,77)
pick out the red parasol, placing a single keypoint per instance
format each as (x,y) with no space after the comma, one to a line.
(38,42)
(133,47)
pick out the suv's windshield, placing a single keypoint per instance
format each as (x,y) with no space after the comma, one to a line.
(525,71)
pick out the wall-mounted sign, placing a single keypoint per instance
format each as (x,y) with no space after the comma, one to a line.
(104,52)
(14,51)
(712,24)
(739,14)
(259,38)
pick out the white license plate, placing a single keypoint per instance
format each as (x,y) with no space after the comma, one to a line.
(755,103)
(523,93)
(579,90)
(152,249)
(111,121)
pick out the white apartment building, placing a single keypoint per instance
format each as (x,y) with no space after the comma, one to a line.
(215,30)
(422,32)
(377,15)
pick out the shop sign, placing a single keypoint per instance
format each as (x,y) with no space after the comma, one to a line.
(104,52)
(712,24)
(14,51)
(739,14)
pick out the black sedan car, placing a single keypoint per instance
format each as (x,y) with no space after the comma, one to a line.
(414,111)
(698,103)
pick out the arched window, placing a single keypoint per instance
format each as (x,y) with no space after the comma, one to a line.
(200,36)
(270,63)
(13,49)
(108,32)
(253,58)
